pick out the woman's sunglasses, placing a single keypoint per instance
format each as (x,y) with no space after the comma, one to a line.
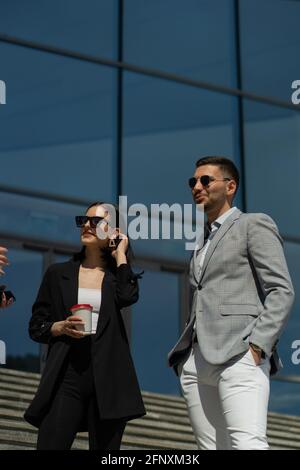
(81,220)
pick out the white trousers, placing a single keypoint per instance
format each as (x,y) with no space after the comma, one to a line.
(227,404)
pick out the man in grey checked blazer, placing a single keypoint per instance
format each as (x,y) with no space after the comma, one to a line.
(241,298)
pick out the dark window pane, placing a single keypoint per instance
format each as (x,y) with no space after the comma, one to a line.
(39,220)
(23,277)
(194,38)
(61,258)
(272,163)
(292,330)
(285,398)
(88,27)
(155,329)
(270,44)
(167,127)
(57,125)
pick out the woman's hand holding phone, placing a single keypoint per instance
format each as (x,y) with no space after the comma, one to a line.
(120,247)
(7,298)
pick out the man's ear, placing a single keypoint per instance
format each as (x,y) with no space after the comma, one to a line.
(231,188)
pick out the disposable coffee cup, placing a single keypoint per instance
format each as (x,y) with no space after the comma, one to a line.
(84,311)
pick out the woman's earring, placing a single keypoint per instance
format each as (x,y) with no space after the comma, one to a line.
(112,243)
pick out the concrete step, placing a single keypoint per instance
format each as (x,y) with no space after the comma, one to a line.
(138,430)
(22,437)
(20,401)
(27,438)
(166,425)
(25,394)
(148,427)
(19,373)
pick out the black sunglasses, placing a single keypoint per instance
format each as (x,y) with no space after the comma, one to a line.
(205,180)
(81,220)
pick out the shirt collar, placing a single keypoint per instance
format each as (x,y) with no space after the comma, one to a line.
(220,220)
(214,226)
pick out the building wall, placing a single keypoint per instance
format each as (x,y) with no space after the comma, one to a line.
(112,97)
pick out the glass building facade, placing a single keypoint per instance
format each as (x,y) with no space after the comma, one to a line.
(111,97)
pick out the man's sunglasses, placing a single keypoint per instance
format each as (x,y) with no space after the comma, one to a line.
(81,220)
(205,180)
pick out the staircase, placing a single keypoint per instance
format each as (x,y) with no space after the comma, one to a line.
(166,425)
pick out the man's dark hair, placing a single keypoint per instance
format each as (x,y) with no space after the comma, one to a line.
(226,165)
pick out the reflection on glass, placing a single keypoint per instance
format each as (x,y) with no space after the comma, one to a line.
(62,258)
(39,219)
(23,278)
(89,27)
(272,163)
(270,44)
(292,330)
(194,38)
(155,329)
(57,126)
(285,398)
(167,127)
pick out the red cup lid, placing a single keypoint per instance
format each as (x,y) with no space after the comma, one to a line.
(77,306)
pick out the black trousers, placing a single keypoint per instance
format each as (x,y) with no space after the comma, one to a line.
(76,398)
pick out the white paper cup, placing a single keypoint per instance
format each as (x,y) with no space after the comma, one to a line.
(84,311)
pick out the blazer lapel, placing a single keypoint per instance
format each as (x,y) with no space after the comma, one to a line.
(194,264)
(219,235)
(69,284)
(192,271)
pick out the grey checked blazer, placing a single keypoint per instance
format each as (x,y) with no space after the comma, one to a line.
(244,293)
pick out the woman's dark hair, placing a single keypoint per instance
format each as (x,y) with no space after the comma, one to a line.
(111,262)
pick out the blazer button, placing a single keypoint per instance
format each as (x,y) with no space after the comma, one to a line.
(199,287)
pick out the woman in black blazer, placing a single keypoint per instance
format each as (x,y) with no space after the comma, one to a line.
(89,382)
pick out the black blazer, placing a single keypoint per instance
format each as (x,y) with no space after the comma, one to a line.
(117,389)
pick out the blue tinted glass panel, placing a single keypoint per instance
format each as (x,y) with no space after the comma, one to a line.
(194,38)
(270,44)
(39,220)
(272,164)
(167,127)
(292,330)
(61,258)
(88,27)
(57,125)
(285,396)
(155,329)
(23,277)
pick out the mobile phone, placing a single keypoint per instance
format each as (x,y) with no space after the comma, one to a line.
(2,289)
(9,295)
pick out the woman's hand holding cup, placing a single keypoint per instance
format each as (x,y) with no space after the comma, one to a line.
(68,327)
